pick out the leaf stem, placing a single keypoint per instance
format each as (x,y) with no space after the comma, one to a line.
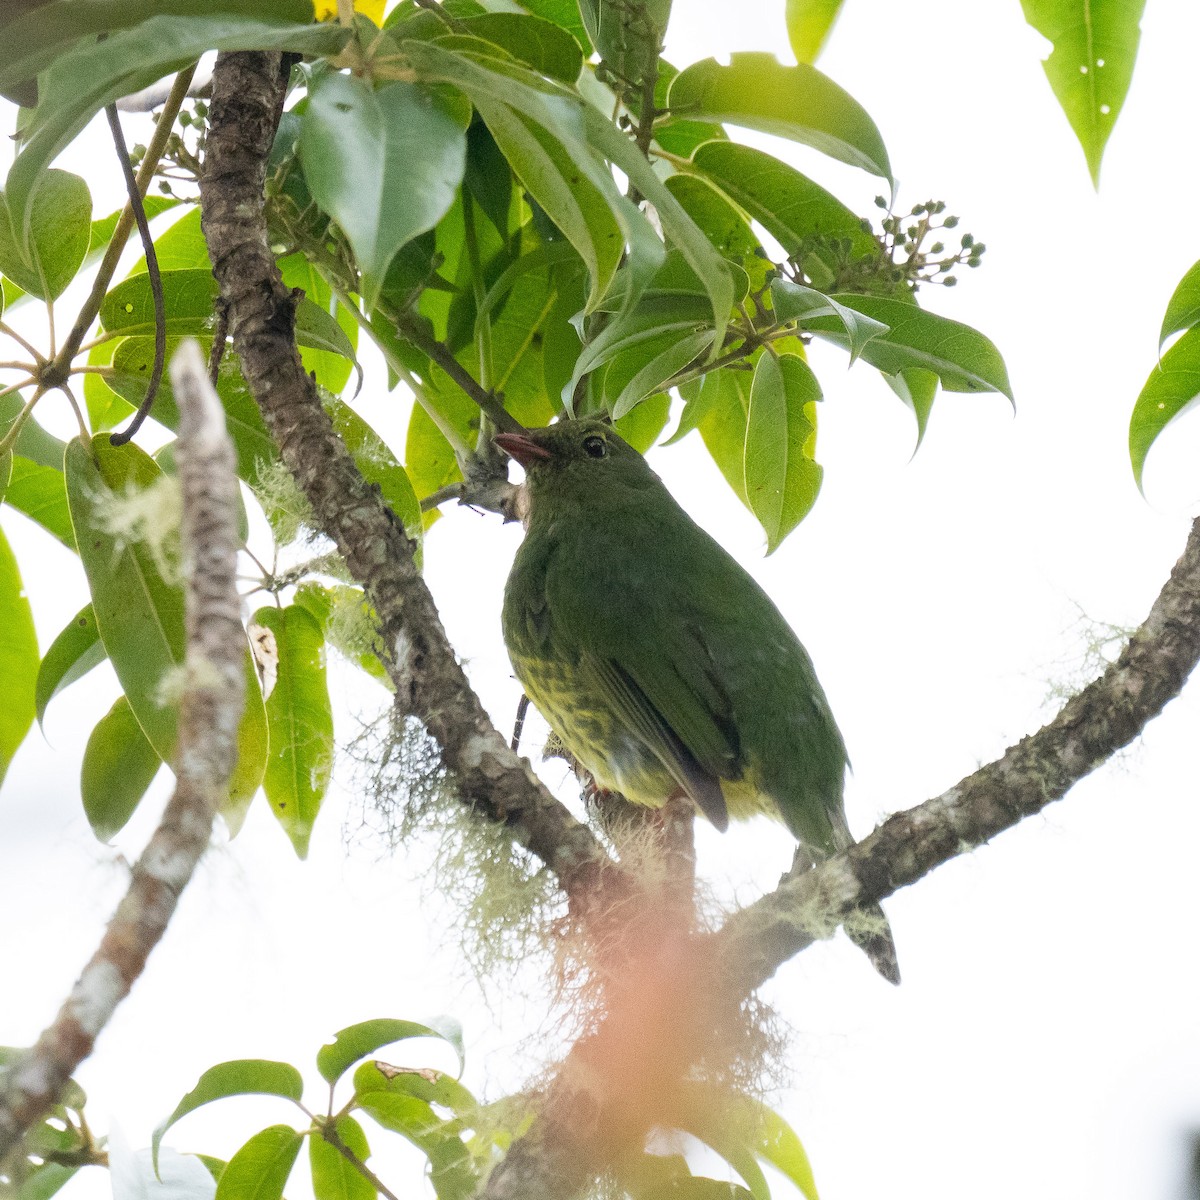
(331,1136)
(8,330)
(14,430)
(57,370)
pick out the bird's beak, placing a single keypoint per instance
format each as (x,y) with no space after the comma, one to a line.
(521,447)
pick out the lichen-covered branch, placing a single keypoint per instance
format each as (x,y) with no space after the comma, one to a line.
(585,1122)
(248,93)
(210,710)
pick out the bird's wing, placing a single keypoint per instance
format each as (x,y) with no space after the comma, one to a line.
(639,714)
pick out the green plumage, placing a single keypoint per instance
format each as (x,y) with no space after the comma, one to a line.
(658,660)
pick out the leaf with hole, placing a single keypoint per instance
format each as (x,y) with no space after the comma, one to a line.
(1091,65)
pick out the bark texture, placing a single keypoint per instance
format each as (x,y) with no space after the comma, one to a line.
(248,93)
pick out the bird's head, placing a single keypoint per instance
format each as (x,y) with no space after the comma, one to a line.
(576,458)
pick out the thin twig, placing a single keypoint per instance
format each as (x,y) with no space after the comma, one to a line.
(152,271)
(56,371)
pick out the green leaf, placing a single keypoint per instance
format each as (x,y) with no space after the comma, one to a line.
(119,764)
(181,247)
(379,467)
(104,227)
(564,14)
(300,723)
(641,426)
(1091,65)
(40,493)
(782,480)
(792,302)
(582,212)
(357,1041)
(333,1176)
(809,23)
(628,35)
(538,43)
(18,658)
(345,617)
(681,315)
(361,148)
(721,404)
(91,74)
(917,388)
(788,205)
(669,361)
(241,1077)
(722,224)
(799,103)
(46,260)
(252,442)
(252,747)
(961,357)
(139,613)
(72,654)
(39,35)
(428,1086)
(332,369)
(1172,388)
(775,1141)
(260,1169)
(1183,309)
(319,330)
(188,299)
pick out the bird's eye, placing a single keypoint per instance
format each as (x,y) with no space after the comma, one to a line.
(595,446)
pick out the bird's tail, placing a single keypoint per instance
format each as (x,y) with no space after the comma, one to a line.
(868,929)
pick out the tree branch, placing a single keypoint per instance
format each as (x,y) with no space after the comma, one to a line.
(207,746)
(596,1107)
(248,93)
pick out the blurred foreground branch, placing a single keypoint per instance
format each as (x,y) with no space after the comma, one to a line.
(210,709)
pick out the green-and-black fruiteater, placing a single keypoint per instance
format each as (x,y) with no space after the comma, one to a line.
(659,661)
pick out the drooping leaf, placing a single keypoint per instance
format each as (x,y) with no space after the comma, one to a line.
(564,14)
(654,374)
(782,480)
(241,1077)
(91,74)
(798,102)
(792,302)
(1172,388)
(641,426)
(917,388)
(582,213)
(72,654)
(344,616)
(334,1177)
(720,415)
(1183,309)
(300,723)
(46,259)
(961,357)
(119,764)
(18,658)
(260,1169)
(357,1041)
(331,367)
(360,148)
(809,23)
(1095,46)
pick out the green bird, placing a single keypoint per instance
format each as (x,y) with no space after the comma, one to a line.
(661,664)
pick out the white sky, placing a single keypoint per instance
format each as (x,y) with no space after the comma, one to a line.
(1044,1042)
